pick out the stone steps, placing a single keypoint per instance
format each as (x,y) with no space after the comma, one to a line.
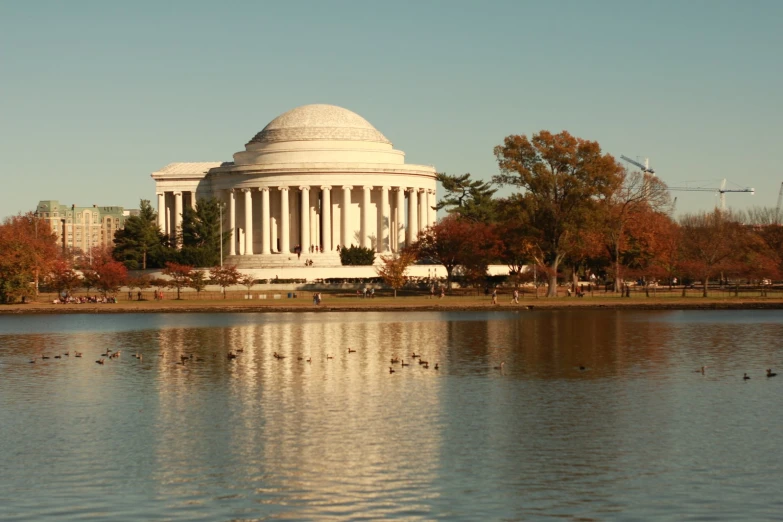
(284,261)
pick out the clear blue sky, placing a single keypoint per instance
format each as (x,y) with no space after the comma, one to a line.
(94,96)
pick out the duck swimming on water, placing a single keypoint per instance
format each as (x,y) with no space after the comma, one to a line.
(770,373)
(502,365)
(745,377)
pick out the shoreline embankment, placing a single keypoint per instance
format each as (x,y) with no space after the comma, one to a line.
(400,304)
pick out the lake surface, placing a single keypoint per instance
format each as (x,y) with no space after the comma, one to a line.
(636,435)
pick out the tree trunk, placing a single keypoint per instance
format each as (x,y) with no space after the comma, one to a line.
(704,291)
(552,290)
(395,293)
(449,269)
(144,260)
(617,279)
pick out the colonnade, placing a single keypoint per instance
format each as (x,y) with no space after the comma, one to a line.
(268,220)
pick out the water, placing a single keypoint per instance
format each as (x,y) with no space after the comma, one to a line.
(637,435)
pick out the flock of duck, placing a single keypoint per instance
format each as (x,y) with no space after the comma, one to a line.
(745,376)
(232,354)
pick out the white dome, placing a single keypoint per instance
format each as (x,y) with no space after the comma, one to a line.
(319,122)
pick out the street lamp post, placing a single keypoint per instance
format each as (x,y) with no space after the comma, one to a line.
(220,206)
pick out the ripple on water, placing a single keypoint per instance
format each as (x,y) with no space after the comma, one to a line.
(637,435)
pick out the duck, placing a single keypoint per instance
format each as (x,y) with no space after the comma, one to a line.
(351,351)
(57,357)
(309,359)
(502,364)
(232,355)
(32,361)
(44,357)
(745,377)
(67,354)
(77,354)
(240,350)
(278,356)
(426,365)
(700,370)
(391,370)
(770,373)
(299,358)
(582,368)
(414,355)
(395,360)
(404,363)
(436,366)
(329,356)
(100,361)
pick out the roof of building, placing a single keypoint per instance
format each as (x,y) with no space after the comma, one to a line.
(319,122)
(194,168)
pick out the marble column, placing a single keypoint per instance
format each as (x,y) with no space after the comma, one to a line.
(265,228)
(162,211)
(326,217)
(384,218)
(285,246)
(177,217)
(345,223)
(422,209)
(412,229)
(431,202)
(365,216)
(193,199)
(273,234)
(304,220)
(399,221)
(232,221)
(248,221)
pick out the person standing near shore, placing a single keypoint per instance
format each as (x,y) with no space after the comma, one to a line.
(494,296)
(516,296)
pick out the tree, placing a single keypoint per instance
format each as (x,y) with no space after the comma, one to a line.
(709,240)
(224,276)
(179,275)
(357,256)
(563,178)
(142,283)
(140,242)
(471,199)
(627,205)
(394,267)
(200,234)
(198,281)
(248,281)
(107,274)
(454,242)
(27,248)
(62,277)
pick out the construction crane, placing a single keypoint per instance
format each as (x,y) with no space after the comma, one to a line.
(720,191)
(645,167)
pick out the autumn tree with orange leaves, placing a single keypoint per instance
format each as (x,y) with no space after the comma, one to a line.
(454,242)
(104,273)
(28,247)
(563,179)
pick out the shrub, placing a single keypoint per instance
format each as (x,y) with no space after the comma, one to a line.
(357,256)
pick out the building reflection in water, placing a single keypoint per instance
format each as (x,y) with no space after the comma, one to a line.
(327,432)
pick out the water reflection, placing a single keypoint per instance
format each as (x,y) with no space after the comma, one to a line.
(187,433)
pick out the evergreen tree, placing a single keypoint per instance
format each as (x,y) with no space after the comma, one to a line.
(140,243)
(470,199)
(201,234)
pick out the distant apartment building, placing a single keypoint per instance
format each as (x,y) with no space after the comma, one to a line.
(80,229)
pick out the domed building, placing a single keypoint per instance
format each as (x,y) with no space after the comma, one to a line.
(316,178)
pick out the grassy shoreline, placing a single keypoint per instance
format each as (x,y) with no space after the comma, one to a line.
(399,304)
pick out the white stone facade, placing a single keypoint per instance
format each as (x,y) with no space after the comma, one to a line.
(317,177)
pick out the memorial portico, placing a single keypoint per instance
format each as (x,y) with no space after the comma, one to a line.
(318,177)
